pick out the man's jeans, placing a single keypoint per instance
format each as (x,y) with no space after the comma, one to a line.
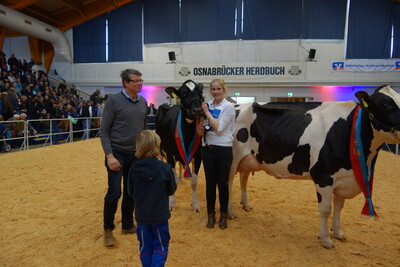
(114,192)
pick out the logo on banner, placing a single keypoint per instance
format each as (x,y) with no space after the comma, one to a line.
(295,70)
(184,71)
(397,65)
(338,65)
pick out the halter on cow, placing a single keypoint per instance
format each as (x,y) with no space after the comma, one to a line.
(176,125)
(335,144)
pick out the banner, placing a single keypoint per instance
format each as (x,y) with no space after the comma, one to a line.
(366,65)
(242,71)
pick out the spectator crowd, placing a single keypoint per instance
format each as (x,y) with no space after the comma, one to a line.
(26,91)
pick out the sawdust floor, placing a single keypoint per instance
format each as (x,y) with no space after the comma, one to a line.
(51,206)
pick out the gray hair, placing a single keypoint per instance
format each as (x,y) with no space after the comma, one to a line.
(125,75)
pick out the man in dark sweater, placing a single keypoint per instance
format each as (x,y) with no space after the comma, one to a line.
(124,117)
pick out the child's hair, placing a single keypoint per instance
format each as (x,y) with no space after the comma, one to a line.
(147,145)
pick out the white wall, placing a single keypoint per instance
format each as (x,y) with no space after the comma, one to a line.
(19,46)
(158,71)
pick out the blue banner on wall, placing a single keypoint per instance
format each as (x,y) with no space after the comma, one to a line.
(366,66)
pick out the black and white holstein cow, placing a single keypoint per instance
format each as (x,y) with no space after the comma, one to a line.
(333,143)
(176,125)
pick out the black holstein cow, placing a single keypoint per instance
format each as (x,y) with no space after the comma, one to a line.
(179,138)
(318,141)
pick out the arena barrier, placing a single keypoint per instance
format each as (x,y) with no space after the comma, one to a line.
(20,134)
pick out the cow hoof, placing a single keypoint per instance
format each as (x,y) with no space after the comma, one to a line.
(231,216)
(326,243)
(339,235)
(247,208)
(341,239)
(328,246)
(196,209)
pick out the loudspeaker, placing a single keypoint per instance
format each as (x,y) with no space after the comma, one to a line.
(171,56)
(311,54)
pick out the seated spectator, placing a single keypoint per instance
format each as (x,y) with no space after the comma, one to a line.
(31,130)
(23,104)
(35,108)
(48,104)
(26,79)
(13,98)
(16,129)
(58,113)
(18,85)
(74,90)
(8,108)
(96,97)
(27,90)
(36,89)
(45,123)
(10,76)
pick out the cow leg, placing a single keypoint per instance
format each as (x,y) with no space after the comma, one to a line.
(244,176)
(193,185)
(232,173)
(338,204)
(325,207)
(172,199)
(180,176)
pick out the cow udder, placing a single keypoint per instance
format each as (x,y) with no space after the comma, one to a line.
(249,164)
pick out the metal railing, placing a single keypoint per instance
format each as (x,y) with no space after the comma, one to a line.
(22,134)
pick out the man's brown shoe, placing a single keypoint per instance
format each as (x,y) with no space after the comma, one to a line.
(109,239)
(129,231)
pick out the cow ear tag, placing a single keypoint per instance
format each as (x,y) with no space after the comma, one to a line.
(171,91)
(364,104)
(362,96)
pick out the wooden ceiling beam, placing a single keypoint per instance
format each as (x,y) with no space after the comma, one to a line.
(43,14)
(93,10)
(76,5)
(72,14)
(22,4)
(114,2)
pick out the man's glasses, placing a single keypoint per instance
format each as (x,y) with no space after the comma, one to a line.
(136,81)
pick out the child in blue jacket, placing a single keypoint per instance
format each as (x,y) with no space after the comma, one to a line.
(151,182)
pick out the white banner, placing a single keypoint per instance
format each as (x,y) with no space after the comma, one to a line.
(370,65)
(242,71)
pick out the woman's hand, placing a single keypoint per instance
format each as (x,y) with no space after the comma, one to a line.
(200,129)
(204,106)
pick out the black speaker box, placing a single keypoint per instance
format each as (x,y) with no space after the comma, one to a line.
(171,56)
(311,54)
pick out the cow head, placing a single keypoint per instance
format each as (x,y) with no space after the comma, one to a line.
(191,97)
(383,107)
